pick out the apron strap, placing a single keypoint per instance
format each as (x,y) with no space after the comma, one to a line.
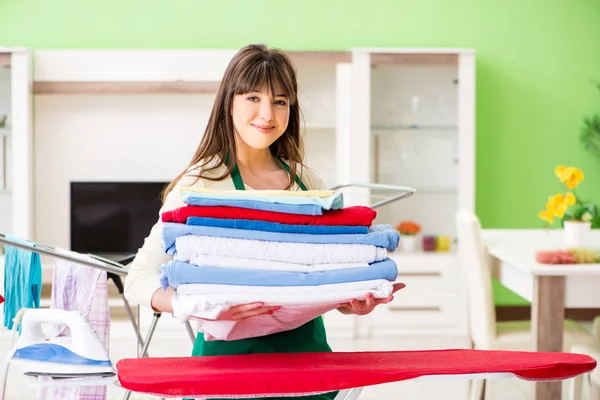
(239,183)
(287,168)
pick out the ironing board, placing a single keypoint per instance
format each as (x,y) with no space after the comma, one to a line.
(295,374)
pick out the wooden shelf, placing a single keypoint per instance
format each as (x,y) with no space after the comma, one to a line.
(124,87)
(320,57)
(4,60)
(424,59)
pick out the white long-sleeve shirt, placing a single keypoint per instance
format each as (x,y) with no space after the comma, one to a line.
(143,278)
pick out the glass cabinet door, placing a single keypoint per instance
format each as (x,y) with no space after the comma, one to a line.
(414,142)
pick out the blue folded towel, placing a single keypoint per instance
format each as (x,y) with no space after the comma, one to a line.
(379,235)
(333,202)
(177,273)
(257,225)
(303,209)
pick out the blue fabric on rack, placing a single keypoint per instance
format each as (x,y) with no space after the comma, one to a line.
(380,235)
(22,280)
(303,209)
(257,225)
(177,273)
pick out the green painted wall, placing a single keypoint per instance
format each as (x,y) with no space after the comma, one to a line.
(536,61)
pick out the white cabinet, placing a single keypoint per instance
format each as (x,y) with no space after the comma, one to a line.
(406,117)
(16,143)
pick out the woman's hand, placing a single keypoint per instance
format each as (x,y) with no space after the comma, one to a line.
(238,313)
(364,307)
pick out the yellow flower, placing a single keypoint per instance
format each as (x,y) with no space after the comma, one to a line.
(559,171)
(546,216)
(570,199)
(557,205)
(570,176)
(575,176)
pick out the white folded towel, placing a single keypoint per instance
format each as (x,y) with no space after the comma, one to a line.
(299,304)
(248,263)
(190,246)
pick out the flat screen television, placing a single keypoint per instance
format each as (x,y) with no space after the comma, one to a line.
(112,219)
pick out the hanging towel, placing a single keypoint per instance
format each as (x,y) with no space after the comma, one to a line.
(177,273)
(22,280)
(334,202)
(190,246)
(76,287)
(255,225)
(300,209)
(262,193)
(379,235)
(248,263)
(356,215)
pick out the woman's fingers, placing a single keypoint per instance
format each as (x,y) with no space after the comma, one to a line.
(370,301)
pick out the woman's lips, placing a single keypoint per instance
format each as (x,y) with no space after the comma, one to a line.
(263,128)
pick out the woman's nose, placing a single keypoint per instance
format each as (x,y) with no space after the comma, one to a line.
(266,110)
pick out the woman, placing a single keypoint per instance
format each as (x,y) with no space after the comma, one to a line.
(252,142)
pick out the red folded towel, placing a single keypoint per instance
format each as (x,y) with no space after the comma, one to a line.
(355,216)
(305,373)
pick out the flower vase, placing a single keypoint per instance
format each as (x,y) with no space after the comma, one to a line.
(576,233)
(408,243)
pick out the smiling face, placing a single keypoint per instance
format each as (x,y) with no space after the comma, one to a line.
(260,117)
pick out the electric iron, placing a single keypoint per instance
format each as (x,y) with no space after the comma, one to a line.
(77,356)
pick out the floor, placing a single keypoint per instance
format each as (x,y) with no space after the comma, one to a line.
(168,342)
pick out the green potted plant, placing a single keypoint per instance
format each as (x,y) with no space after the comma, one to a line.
(590,133)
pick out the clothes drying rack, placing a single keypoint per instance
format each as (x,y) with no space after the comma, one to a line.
(118,269)
(115,270)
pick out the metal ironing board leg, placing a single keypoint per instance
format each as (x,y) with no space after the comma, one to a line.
(146,344)
(119,284)
(348,394)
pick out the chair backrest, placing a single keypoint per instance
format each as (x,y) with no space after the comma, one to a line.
(475,269)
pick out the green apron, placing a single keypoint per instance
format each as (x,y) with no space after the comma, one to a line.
(309,337)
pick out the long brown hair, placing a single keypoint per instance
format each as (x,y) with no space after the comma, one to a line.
(252,67)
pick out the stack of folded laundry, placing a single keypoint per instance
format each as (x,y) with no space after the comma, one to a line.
(301,251)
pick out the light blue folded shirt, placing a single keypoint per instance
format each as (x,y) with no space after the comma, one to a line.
(303,209)
(379,235)
(333,202)
(177,273)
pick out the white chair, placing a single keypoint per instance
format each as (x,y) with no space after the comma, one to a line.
(486,333)
(577,383)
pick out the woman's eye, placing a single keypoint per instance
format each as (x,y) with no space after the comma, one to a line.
(281,102)
(252,98)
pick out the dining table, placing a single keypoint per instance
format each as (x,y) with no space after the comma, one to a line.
(551,288)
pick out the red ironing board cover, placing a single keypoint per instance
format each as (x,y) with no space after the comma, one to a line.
(306,373)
